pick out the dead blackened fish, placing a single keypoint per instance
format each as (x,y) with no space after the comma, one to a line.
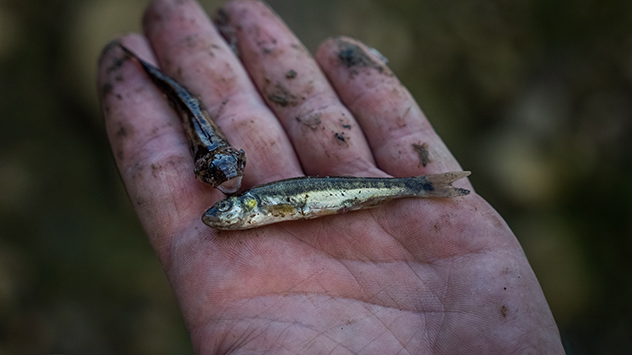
(312,197)
(216,162)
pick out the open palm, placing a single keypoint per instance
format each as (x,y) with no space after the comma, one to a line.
(413,276)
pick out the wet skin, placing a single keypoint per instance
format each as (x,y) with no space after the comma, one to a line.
(442,276)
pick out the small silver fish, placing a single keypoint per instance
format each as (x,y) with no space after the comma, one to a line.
(313,197)
(216,162)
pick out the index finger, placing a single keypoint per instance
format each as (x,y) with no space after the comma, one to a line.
(148,142)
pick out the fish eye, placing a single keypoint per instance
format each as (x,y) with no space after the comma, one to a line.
(224,205)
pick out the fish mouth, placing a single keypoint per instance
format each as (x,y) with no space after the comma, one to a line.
(230,186)
(210,219)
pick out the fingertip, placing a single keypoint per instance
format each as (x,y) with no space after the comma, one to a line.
(350,55)
(139,44)
(112,59)
(132,41)
(105,52)
(153,14)
(235,4)
(330,45)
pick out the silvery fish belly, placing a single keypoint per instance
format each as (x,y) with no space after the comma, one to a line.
(313,197)
(216,162)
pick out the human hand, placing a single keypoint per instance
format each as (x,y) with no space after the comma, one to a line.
(415,275)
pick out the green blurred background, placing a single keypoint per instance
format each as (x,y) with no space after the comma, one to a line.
(535,97)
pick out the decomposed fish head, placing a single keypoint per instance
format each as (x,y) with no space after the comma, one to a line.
(230,213)
(222,168)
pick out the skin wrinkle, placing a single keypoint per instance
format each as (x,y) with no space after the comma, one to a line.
(246,337)
(333,350)
(304,280)
(320,104)
(380,223)
(365,299)
(366,302)
(324,333)
(358,284)
(388,327)
(442,321)
(260,316)
(280,337)
(421,311)
(383,290)
(405,344)
(317,332)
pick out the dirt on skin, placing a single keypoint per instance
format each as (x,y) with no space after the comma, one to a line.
(353,57)
(423,152)
(281,96)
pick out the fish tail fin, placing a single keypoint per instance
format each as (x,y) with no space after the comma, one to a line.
(440,185)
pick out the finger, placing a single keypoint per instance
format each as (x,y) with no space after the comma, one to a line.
(149,146)
(401,138)
(325,135)
(189,49)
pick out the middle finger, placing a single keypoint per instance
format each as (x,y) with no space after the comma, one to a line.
(325,135)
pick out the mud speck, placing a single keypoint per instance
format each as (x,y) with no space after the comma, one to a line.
(291,74)
(265,40)
(312,121)
(221,17)
(281,96)
(191,40)
(423,152)
(106,89)
(155,170)
(222,20)
(353,56)
(116,63)
(341,137)
(122,132)
(503,311)
(299,47)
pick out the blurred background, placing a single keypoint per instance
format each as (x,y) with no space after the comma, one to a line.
(535,97)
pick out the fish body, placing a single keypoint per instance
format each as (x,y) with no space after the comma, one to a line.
(216,162)
(313,197)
